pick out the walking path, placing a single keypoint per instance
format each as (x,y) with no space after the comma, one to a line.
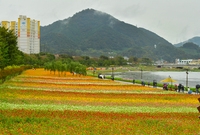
(186,92)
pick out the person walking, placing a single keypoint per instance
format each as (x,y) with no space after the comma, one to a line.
(175,87)
(197,88)
(197,91)
(133,81)
(182,88)
(148,84)
(179,87)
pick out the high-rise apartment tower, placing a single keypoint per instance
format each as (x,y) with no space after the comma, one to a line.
(28,33)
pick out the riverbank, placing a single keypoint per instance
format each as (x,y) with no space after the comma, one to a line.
(139,82)
(127,74)
(130,83)
(139,68)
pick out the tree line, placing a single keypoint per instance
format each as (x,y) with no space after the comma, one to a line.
(10,55)
(62,67)
(105,61)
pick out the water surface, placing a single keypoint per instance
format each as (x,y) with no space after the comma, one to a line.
(147,76)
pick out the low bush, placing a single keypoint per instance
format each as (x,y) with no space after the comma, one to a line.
(11,71)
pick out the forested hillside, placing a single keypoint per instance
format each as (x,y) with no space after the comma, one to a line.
(195,40)
(94,33)
(191,49)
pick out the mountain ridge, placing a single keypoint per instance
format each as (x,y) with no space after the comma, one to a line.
(94,33)
(195,40)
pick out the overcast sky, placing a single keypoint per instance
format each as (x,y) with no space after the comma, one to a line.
(174,20)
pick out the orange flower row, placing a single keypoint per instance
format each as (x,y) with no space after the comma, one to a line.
(80,98)
(81,86)
(75,122)
(42,72)
(80,92)
(36,79)
(74,91)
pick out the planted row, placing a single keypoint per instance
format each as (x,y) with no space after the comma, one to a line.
(63,67)
(98,123)
(12,71)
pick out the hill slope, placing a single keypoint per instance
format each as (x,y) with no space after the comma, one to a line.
(191,49)
(195,40)
(94,33)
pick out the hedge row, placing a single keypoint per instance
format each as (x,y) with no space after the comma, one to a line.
(10,72)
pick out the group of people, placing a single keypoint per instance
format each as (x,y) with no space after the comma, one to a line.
(143,83)
(197,90)
(180,87)
(165,86)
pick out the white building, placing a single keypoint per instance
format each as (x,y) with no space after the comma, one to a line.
(183,62)
(28,33)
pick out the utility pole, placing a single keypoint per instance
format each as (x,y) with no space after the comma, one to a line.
(187,79)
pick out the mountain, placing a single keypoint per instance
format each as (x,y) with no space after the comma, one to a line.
(191,49)
(95,33)
(195,40)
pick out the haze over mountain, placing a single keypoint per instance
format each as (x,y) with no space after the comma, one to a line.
(195,40)
(94,33)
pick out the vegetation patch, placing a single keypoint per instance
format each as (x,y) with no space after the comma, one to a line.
(40,102)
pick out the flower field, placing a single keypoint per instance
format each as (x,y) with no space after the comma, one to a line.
(40,102)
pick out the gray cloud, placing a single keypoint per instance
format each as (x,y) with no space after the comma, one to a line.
(174,20)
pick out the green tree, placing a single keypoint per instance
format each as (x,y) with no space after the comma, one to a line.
(9,49)
(133,60)
(58,66)
(146,61)
(119,60)
(103,57)
(64,68)
(104,61)
(85,60)
(3,55)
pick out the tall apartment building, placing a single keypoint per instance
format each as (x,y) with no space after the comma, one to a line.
(28,33)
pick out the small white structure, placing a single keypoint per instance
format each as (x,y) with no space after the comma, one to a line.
(183,62)
(126,58)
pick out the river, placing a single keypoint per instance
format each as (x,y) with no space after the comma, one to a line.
(147,76)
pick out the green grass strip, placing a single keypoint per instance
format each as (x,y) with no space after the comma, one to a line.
(121,109)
